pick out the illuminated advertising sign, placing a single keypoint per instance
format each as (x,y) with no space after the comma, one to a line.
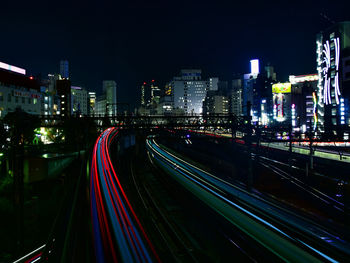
(303,78)
(12,68)
(26,94)
(254,66)
(326,71)
(282,88)
(278,107)
(314,98)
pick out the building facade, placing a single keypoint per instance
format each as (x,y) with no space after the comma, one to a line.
(63,87)
(235,95)
(333,89)
(306,120)
(91,103)
(110,92)
(215,103)
(189,90)
(80,101)
(18,91)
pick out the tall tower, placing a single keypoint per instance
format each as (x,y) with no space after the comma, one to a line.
(110,89)
(64,92)
(155,92)
(64,69)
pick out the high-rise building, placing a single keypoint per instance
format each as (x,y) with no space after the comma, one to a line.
(189,90)
(64,69)
(257,91)
(236,97)
(79,101)
(165,106)
(270,73)
(333,89)
(91,103)
(100,106)
(293,102)
(306,113)
(51,98)
(215,103)
(155,93)
(64,92)
(110,91)
(249,80)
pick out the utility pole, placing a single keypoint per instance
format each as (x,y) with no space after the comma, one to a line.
(249,146)
(311,153)
(17,168)
(290,145)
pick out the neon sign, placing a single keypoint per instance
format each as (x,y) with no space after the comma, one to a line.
(326,72)
(314,109)
(12,68)
(254,66)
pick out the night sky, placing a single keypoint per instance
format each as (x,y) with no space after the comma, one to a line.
(135,41)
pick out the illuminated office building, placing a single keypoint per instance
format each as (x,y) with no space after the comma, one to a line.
(235,96)
(64,92)
(155,93)
(106,104)
(110,92)
(18,91)
(91,103)
(333,88)
(79,101)
(215,103)
(257,90)
(189,90)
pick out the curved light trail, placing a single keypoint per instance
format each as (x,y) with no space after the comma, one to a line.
(248,212)
(118,233)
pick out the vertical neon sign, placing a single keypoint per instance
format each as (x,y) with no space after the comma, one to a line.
(326,71)
(336,81)
(314,110)
(326,76)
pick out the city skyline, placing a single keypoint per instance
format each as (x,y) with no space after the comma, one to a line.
(131,43)
(184,131)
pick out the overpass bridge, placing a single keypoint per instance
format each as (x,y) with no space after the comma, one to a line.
(151,121)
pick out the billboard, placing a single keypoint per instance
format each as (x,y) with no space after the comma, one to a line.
(254,66)
(278,107)
(282,88)
(12,68)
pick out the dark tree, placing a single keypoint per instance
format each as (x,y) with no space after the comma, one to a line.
(21,127)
